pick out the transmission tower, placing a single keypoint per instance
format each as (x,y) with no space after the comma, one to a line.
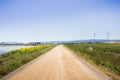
(94,37)
(108,36)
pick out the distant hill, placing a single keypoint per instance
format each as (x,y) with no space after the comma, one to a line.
(11,43)
(81,41)
(59,42)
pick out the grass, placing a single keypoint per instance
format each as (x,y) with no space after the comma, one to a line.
(14,59)
(105,56)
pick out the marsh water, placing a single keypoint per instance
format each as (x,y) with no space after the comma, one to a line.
(4,49)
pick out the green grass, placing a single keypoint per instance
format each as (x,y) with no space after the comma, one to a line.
(14,59)
(105,55)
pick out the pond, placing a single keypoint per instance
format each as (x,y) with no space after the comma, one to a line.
(4,49)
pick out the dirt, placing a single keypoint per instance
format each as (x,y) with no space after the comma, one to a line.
(57,64)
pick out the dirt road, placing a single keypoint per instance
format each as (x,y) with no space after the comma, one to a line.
(57,64)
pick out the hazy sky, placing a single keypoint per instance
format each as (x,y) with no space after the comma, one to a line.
(50,20)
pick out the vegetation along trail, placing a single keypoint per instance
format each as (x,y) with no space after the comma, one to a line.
(57,64)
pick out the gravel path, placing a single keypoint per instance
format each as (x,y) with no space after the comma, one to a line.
(57,64)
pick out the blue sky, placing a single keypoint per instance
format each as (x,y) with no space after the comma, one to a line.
(50,20)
